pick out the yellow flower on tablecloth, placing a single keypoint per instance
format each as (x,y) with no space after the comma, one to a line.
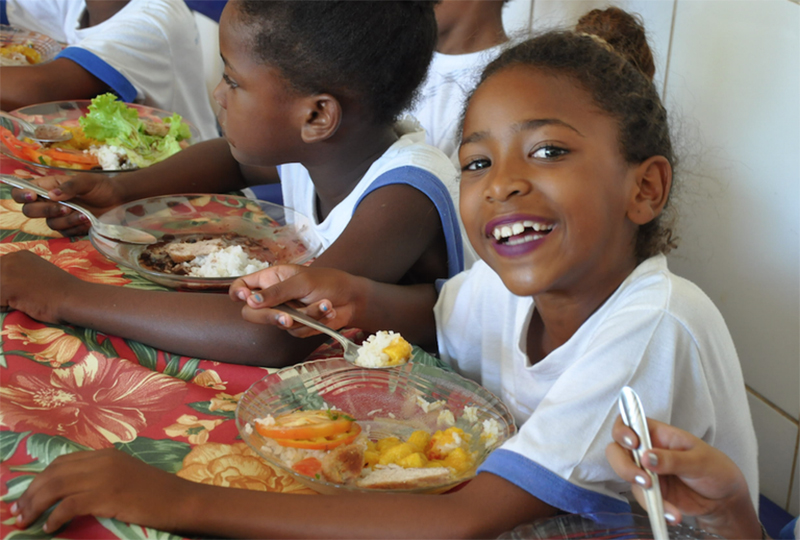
(78,258)
(96,402)
(236,465)
(62,349)
(210,379)
(12,218)
(194,429)
(225,402)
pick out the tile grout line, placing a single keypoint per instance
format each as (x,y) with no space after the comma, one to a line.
(792,471)
(773,406)
(669,49)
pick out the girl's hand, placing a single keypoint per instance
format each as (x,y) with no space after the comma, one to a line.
(95,192)
(328,295)
(34,286)
(103,483)
(695,478)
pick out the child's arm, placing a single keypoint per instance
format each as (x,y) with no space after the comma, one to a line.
(58,80)
(205,167)
(696,479)
(338,299)
(109,483)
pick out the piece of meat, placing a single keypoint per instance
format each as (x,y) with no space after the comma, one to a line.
(344,463)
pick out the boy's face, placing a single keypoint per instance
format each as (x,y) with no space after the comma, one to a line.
(544,187)
(259,114)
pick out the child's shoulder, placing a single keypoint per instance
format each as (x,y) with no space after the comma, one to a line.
(653,291)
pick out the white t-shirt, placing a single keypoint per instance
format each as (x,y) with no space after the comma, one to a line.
(451,77)
(408,161)
(658,333)
(149,52)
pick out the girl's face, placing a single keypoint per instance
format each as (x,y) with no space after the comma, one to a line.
(544,187)
(259,111)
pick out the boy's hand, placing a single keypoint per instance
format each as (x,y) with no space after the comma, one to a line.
(328,295)
(695,478)
(93,191)
(34,286)
(103,483)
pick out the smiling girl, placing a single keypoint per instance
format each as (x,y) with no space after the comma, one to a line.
(566,168)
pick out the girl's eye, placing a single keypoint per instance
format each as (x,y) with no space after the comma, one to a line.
(549,152)
(476,164)
(229,81)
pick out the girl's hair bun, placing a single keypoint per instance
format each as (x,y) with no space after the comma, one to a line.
(623,32)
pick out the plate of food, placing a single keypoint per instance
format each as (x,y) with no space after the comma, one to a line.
(19,47)
(108,136)
(205,241)
(336,427)
(600,525)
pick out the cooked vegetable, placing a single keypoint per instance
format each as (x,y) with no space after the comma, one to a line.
(323,443)
(306,425)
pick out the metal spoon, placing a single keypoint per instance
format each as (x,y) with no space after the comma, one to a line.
(350,348)
(121,233)
(43,133)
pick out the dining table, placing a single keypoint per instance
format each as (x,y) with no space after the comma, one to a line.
(65,389)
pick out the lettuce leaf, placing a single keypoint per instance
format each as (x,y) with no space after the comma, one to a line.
(112,122)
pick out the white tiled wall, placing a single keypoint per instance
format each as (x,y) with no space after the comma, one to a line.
(729,71)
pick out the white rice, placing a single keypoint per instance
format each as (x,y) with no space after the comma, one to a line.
(371,353)
(229,262)
(111,158)
(490,433)
(445,418)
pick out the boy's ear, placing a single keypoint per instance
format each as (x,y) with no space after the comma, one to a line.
(653,182)
(323,115)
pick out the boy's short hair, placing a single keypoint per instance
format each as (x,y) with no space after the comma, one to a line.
(375,52)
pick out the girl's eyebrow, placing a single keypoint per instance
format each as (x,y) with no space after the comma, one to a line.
(525,125)
(530,125)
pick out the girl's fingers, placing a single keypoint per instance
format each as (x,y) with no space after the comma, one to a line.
(624,435)
(621,461)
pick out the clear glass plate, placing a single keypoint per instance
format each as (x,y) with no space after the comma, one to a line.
(46,46)
(601,525)
(67,114)
(212,215)
(383,401)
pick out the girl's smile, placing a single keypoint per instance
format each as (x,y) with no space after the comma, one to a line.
(545,190)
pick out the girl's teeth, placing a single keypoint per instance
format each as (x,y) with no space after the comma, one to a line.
(515,229)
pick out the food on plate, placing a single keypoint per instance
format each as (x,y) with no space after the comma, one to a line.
(222,255)
(111,136)
(330,445)
(385,348)
(19,54)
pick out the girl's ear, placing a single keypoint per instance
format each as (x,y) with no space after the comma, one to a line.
(323,116)
(653,182)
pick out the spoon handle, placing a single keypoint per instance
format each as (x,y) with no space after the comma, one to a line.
(24,184)
(313,323)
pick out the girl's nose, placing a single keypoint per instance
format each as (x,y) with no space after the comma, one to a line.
(508,180)
(219,93)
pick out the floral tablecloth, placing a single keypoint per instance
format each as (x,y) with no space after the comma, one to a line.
(64,389)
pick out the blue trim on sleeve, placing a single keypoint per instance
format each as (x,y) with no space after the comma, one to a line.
(3,13)
(548,486)
(102,70)
(432,187)
(210,8)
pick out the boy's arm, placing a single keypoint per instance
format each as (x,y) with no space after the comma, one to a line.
(338,299)
(204,167)
(58,80)
(109,483)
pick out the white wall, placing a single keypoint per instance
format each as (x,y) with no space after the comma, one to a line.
(729,72)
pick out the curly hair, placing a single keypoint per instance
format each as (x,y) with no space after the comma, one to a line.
(608,56)
(373,52)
